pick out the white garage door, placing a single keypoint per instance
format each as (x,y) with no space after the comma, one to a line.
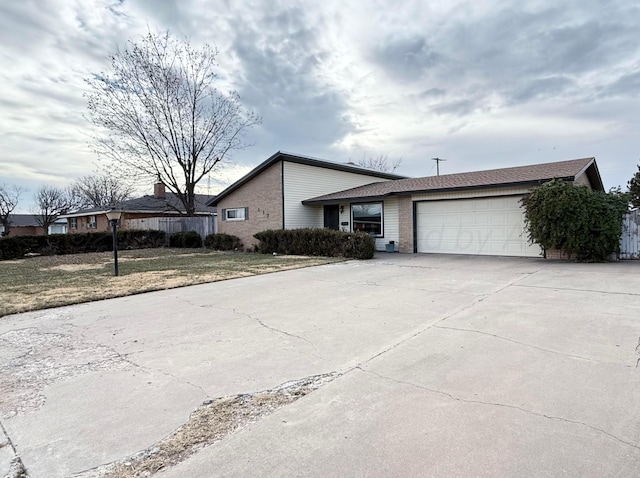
(488,226)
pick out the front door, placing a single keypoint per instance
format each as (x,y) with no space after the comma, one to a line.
(332,217)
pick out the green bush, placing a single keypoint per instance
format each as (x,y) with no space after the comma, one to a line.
(13,247)
(586,224)
(223,242)
(188,239)
(316,242)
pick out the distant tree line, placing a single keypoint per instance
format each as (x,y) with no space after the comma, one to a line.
(97,190)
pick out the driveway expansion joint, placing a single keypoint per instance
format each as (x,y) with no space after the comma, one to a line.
(503,405)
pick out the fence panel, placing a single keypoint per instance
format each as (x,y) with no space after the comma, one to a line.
(203,225)
(630,240)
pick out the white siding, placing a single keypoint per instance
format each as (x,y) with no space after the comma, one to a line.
(345,216)
(391,224)
(302,181)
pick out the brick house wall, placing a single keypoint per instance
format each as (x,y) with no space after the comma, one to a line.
(405,213)
(102,224)
(26,231)
(262,196)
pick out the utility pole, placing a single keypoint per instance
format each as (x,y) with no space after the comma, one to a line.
(437,160)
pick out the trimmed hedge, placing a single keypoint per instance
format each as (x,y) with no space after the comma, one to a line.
(188,239)
(317,242)
(14,247)
(223,242)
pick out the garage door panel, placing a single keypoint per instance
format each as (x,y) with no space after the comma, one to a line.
(491,226)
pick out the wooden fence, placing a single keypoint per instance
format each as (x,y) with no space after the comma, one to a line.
(630,240)
(203,225)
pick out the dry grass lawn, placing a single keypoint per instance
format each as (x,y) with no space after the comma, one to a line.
(50,281)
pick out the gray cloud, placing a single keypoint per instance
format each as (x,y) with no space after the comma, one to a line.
(405,58)
(539,88)
(432,93)
(282,79)
(516,54)
(627,84)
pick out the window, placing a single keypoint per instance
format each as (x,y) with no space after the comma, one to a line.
(367,217)
(73,222)
(91,222)
(235,214)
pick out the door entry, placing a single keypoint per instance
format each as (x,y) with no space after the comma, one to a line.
(332,217)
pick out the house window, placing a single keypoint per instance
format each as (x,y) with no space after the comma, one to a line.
(367,217)
(235,214)
(73,222)
(91,222)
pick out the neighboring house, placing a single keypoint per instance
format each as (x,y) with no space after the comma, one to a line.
(466,213)
(146,212)
(271,195)
(28,225)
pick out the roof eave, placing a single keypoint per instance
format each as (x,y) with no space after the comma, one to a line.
(591,170)
(322,202)
(300,160)
(531,183)
(136,211)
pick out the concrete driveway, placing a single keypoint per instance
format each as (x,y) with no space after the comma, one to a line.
(442,366)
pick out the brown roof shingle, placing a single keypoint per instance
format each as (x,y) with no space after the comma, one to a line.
(531,174)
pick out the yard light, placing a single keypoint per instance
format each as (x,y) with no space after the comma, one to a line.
(113,215)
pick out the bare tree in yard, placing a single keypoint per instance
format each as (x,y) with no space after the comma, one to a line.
(9,196)
(379,163)
(51,202)
(101,190)
(162,115)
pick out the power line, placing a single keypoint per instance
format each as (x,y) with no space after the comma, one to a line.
(437,160)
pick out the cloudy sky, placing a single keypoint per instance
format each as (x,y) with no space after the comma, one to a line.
(484,84)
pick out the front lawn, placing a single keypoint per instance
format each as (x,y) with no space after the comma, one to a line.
(50,281)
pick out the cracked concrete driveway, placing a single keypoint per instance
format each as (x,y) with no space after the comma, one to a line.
(437,366)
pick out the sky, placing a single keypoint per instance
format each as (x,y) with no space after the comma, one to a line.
(484,84)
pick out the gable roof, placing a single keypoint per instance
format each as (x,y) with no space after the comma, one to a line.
(295,158)
(169,204)
(24,220)
(516,176)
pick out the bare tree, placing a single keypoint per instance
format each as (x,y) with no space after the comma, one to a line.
(379,163)
(101,190)
(9,196)
(51,202)
(163,117)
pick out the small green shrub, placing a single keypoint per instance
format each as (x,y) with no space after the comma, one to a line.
(223,242)
(586,224)
(316,242)
(188,239)
(13,247)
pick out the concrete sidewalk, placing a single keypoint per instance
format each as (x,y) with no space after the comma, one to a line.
(446,366)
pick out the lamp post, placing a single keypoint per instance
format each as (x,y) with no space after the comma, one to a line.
(113,215)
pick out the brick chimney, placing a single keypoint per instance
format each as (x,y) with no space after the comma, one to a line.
(159,190)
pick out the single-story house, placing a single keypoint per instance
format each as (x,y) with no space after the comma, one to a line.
(145,212)
(28,225)
(466,213)
(271,196)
